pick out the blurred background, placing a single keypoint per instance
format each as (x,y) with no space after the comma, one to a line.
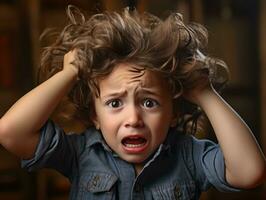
(237,34)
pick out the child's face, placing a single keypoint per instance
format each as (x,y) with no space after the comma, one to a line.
(133,112)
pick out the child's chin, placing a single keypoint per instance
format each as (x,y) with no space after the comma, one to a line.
(135,159)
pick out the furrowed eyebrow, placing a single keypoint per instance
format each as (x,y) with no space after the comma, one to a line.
(149,91)
(114,94)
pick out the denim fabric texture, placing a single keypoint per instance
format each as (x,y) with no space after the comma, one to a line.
(181,168)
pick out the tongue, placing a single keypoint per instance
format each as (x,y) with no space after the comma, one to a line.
(137,140)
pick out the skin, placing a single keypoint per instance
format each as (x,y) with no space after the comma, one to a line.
(24,119)
(245,165)
(139,106)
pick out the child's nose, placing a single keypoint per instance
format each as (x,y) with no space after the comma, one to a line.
(134,117)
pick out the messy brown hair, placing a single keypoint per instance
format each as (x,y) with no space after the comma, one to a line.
(105,39)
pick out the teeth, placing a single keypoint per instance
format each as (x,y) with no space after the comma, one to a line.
(134,145)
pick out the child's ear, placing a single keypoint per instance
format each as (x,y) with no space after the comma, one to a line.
(96,123)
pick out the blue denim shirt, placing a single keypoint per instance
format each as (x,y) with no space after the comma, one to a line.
(181,168)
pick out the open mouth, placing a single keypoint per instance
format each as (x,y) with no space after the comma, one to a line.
(134,144)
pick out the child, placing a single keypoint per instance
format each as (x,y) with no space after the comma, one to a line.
(130,77)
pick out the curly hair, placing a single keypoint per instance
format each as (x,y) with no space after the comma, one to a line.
(103,40)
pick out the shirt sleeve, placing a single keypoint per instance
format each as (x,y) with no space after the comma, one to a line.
(55,150)
(210,166)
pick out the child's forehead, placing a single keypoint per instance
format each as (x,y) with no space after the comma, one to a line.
(126,73)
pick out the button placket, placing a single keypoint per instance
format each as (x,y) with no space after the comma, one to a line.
(137,188)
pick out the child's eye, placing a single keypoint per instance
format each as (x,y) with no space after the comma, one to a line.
(114,103)
(150,103)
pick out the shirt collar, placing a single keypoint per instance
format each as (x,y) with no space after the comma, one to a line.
(93,137)
(165,146)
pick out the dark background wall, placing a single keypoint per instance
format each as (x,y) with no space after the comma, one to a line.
(236,35)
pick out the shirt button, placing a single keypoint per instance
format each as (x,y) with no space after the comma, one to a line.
(178,194)
(95,181)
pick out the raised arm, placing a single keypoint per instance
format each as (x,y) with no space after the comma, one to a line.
(20,126)
(244,161)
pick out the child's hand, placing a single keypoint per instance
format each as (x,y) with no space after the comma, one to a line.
(70,62)
(198,89)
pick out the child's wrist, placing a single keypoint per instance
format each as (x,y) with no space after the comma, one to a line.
(204,97)
(71,73)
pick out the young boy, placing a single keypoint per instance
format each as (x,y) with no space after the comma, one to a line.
(128,75)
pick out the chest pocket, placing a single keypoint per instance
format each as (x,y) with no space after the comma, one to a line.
(175,191)
(97,185)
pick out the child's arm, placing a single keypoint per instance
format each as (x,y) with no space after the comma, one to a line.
(244,161)
(20,126)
